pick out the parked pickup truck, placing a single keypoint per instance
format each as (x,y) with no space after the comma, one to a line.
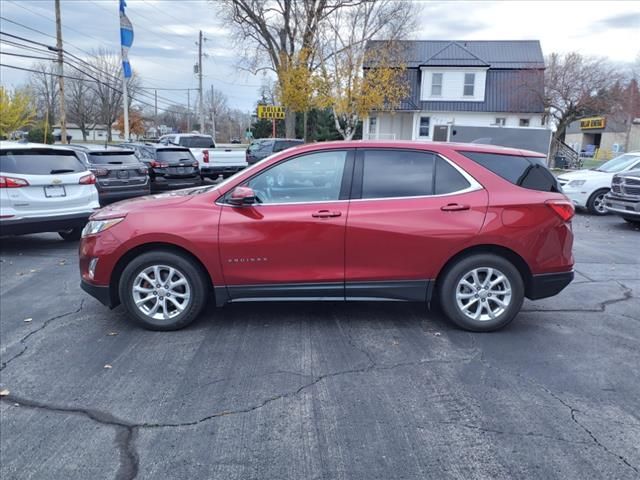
(624,197)
(213,161)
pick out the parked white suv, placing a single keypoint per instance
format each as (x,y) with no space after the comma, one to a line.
(44,188)
(587,188)
(213,161)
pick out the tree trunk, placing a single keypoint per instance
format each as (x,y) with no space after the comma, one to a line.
(304,125)
(290,123)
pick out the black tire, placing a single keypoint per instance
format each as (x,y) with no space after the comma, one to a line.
(595,200)
(71,235)
(189,269)
(449,280)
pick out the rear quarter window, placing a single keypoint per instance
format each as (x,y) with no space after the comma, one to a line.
(40,162)
(526,172)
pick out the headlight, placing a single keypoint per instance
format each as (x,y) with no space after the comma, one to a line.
(97,226)
(576,183)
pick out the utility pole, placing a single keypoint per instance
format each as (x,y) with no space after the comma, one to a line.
(213,116)
(155,117)
(189,110)
(200,100)
(63,117)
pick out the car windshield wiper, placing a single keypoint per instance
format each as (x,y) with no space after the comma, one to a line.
(61,170)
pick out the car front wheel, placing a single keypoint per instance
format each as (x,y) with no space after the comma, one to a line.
(595,204)
(481,293)
(163,290)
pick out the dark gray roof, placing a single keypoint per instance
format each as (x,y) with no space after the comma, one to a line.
(495,54)
(515,91)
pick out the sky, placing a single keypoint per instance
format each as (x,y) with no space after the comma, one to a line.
(166,32)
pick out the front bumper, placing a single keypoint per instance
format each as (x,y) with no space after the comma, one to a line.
(548,284)
(578,198)
(622,206)
(56,223)
(99,292)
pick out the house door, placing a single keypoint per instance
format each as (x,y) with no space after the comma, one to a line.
(440,133)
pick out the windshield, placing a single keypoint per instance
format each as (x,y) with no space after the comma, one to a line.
(258,145)
(197,142)
(112,158)
(39,162)
(619,163)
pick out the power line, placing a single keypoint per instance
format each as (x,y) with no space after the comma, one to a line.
(27,56)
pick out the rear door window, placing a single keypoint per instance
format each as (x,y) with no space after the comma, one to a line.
(526,172)
(448,179)
(397,173)
(40,162)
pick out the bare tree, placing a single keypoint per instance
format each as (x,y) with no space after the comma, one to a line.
(106,72)
(44,85)
(576,86)
(81,103)
(274,31)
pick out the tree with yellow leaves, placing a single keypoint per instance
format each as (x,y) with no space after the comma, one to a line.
(353,79)
(136,123)
(16,111)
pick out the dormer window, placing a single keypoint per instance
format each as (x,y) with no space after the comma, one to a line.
(469,84)
(436,84)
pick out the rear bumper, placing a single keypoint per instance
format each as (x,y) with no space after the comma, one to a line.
(99,292)
(108,195)
(622,206)
(215,170)
(548,284)
(163,183)
(43,224)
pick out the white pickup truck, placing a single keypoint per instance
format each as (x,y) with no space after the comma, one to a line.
(213,161)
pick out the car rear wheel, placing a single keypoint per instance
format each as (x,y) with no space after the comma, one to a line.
(163,290)
(595,204)
(71,235)
(481,293)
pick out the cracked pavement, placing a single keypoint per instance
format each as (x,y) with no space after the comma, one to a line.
(321,391)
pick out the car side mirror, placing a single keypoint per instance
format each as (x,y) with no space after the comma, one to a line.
(242,196)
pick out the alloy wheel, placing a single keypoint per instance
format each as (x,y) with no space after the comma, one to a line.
(483,294)
(598,203)
(161,292)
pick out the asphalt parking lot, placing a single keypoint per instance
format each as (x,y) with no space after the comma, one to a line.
(321,391)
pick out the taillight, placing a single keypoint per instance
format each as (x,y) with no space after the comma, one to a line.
(88,179)
(143,170)
(194,164)
(155,164)
(205,156)
(564,209)
(100,172)
(13,182)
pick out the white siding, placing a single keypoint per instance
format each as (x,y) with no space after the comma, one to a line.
(473,119)
(453,84)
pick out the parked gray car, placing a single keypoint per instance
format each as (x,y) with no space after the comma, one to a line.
(624,197)
(264,147)
(119,173)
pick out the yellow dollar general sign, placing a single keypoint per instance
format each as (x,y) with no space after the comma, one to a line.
(593,122)
(270,111)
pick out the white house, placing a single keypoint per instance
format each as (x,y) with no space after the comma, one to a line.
(468,90)
(96,134)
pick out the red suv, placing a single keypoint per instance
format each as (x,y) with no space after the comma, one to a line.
(475,227)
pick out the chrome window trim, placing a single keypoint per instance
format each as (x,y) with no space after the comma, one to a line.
(474,186)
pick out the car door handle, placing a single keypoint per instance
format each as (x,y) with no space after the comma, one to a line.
(454,207)
(326,214)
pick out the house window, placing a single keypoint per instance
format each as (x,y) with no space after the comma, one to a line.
(524,122)
(436,84)
(424,127)
(501,121)
(373,126)
(469,84)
